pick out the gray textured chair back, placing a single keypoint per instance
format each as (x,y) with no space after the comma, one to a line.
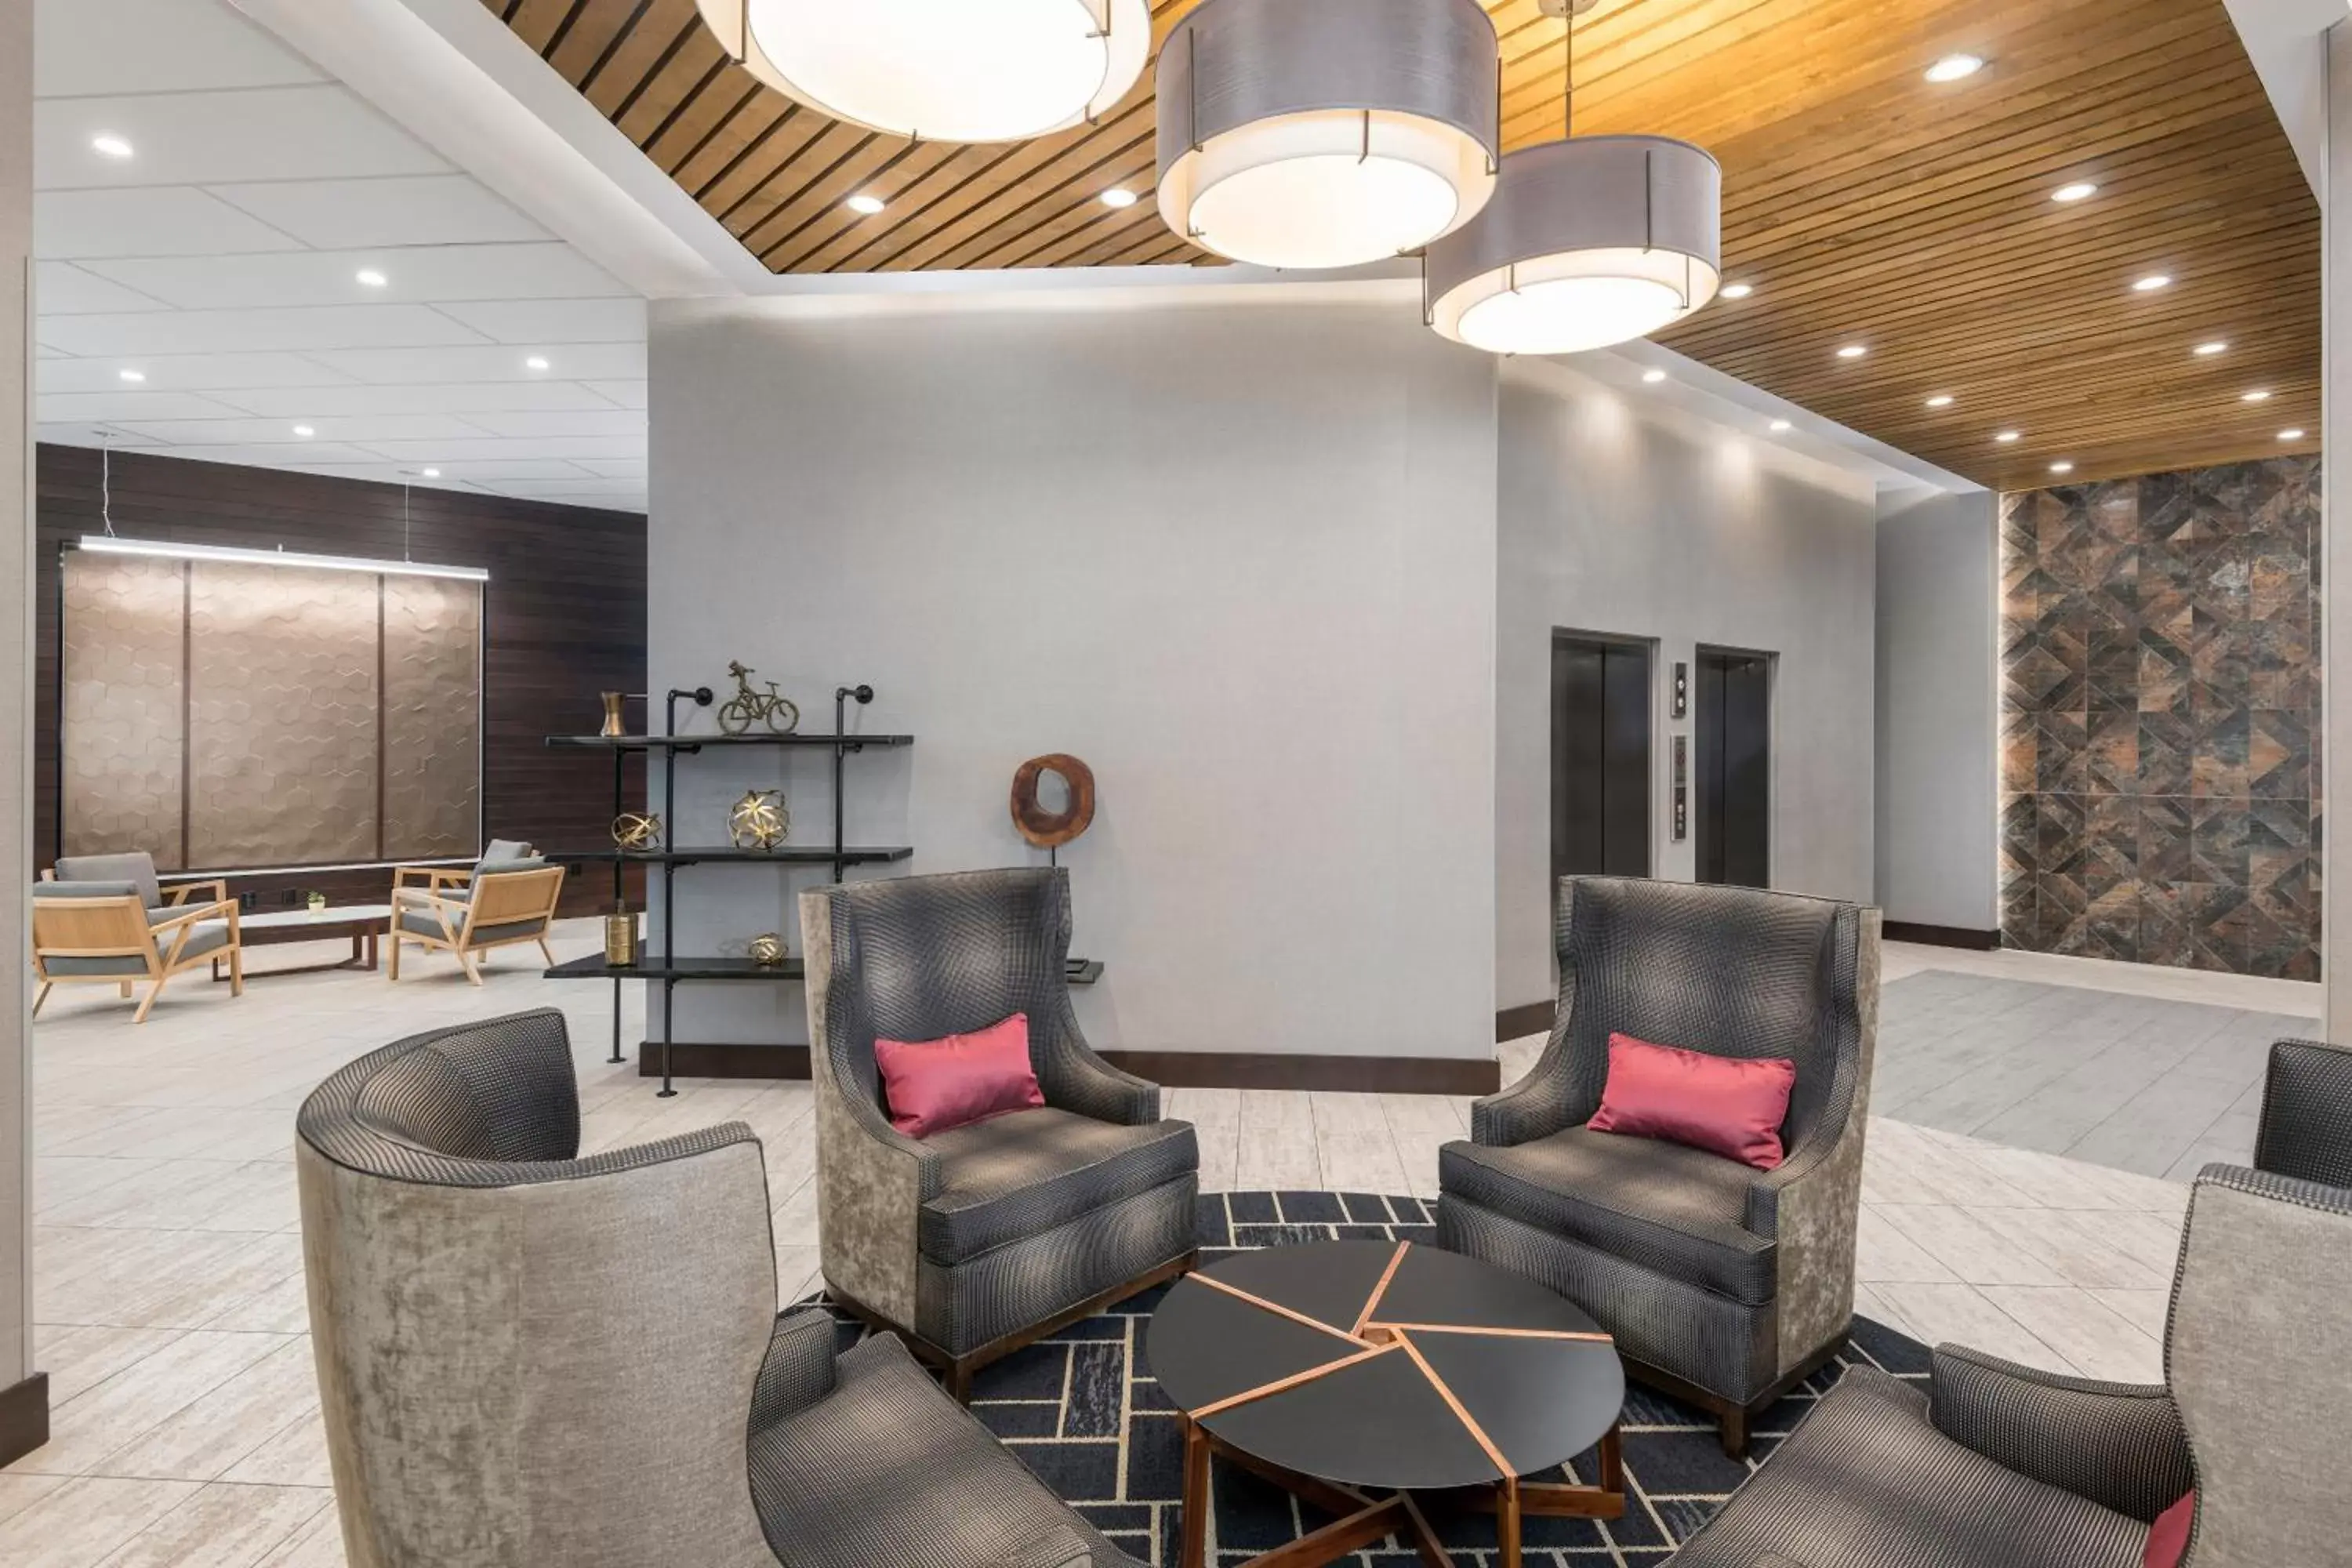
(134,865)
(920,957)
(2255,1353)
(528,1360)
(2305,1129)
(1733,971)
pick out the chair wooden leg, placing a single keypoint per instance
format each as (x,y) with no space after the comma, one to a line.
(547,952)
(1734,1434)
(393,966)
(148,1006)
(473,972)
(237,970)
(125,989)
(43,995)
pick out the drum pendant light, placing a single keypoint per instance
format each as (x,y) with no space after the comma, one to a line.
(1589,240)
(1326,132)
(942,70)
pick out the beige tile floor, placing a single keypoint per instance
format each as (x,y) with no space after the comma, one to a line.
(169,1288)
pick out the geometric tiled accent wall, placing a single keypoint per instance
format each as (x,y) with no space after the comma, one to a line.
(2160,652)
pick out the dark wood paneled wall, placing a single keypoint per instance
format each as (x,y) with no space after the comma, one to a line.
(564,619)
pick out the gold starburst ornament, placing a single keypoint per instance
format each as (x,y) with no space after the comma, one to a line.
(759,820)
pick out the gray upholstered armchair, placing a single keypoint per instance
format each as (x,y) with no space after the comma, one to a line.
(978,1240)
(1723,1285)
(1999,1466)
(2307,1124)
(530,1360)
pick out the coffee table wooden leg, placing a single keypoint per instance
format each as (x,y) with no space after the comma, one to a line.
(1196,1497)
(1507,1522)
(1341,1536)
(1613,1464)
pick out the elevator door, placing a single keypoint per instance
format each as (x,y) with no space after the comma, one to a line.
(1733,736)
(1600,757)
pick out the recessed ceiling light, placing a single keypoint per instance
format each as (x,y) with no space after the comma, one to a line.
(1779,426)
(536,361)
(1853,351)
(862,203)
(1954,68)
(304,430)
(2259,394)
(2080,191)
(1653,376)
(2062,466)
(432,473)
(368,277)
(131,375)
(2004,437)
(109,145)
(1737,291)
(2207,350)
(1119,197)
(2293,434)
(1941,400)
(2152,282)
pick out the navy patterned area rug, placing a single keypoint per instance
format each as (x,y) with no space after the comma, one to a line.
(1082,1410)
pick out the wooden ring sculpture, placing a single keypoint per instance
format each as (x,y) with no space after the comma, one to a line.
(1051,829)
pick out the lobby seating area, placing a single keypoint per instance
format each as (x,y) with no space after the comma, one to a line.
(1174,784)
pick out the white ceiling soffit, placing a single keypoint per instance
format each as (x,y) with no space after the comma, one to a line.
(204,296)
(2282,37)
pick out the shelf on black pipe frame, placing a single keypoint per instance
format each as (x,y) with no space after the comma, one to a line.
(697,743)
(688,855)
(653,967)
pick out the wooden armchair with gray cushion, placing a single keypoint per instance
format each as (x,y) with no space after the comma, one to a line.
(137,867)
(528,1359)
(456,882)
(119,933)
(2000,1466)
(1722,1284)
(499,903)
(980,1239)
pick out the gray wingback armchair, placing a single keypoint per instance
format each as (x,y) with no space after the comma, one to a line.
(1723,1285)
(1999,1466)
(530,1360)
(980,1239)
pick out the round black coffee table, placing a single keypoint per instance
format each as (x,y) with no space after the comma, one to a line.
(1382,1381)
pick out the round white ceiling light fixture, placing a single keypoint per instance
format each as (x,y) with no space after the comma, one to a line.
(942,70)
(1589,241)
(1320,133)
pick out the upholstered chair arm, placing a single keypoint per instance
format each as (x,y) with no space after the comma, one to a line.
(799,1369)
(2306,1125)
(1060,1547)
(1537,1106)
(2119,1445)
(1074,1078)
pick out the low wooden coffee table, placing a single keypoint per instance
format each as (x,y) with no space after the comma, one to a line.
(363,923)
(1387,1382)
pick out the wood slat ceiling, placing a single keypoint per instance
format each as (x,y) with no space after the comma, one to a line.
(1865,204)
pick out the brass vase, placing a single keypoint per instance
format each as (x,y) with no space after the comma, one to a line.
(614,723)
(621,939)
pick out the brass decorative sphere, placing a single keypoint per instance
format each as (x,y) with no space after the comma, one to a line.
(767,950)
(759,820)
(638,830)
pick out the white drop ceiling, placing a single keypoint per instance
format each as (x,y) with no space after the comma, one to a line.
(220,262)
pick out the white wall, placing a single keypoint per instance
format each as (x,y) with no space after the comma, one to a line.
(1939,726)
(1240,558)
(15,687)
(1621,517)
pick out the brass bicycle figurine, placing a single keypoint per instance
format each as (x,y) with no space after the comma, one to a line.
(747,707)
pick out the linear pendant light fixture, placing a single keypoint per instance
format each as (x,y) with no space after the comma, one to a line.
(1589,240)
(942,70)
(108,544)
(1320,133)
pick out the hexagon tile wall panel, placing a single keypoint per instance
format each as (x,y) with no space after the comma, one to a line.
(2160,672)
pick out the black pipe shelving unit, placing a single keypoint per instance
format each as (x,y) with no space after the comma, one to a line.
(668,968)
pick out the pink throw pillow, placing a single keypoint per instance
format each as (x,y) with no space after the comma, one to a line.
(933,1085)
(2168,1538)
(1731,1106)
